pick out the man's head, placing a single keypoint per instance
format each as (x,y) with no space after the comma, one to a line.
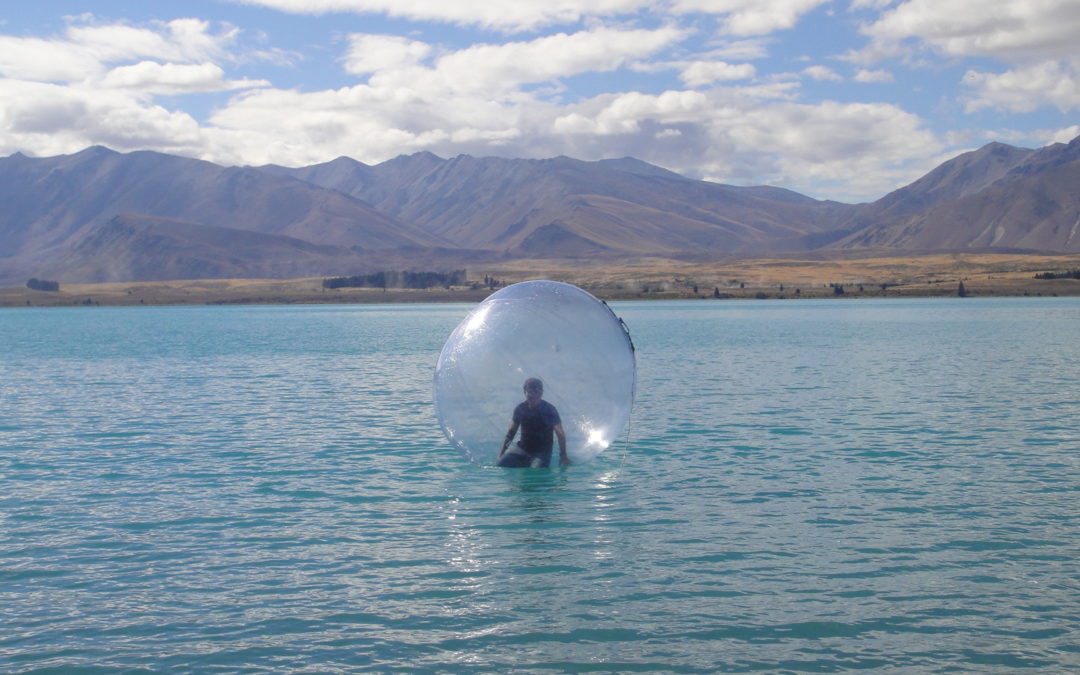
(534,389)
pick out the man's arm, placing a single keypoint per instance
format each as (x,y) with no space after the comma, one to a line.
(564,459)
(510,433)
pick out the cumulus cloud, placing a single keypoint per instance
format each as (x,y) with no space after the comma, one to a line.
(738,17)
(1064,135)
(184,40)
(54,119)
(471,100)
(844,150)
(520,15)
(42,60)
(150,77)
(1036,37)
(870,4)
(822,74)
(701,73)
(374,53)
(739,50)
(497,70)
(1010,30)
(1025,89)
(1026,137)
(871,76)
(852,148)
(85,51)
(491,67)
(751,17)
(95,84)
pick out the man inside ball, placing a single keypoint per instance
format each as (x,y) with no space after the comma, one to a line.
(538,421)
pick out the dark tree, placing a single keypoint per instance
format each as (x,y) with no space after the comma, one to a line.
(386,280)
(42,285)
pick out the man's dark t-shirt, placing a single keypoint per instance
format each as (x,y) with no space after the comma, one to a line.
(537,427)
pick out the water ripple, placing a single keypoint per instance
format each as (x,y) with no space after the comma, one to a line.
(266,490)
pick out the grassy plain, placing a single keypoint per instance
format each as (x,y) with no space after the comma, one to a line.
(650,278)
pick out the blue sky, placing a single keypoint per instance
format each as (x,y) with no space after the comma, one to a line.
(837,99)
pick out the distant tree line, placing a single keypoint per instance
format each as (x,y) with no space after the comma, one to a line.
(1072,274)
(402,279)
(43,285)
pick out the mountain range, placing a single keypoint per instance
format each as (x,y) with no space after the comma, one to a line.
(99,215)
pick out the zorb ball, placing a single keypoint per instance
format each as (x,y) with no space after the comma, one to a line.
(545,329)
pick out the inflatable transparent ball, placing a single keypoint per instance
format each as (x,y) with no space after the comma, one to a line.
(549,330)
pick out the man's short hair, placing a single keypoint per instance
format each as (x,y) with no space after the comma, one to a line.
(533,383)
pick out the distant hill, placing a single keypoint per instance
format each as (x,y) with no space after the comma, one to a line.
(53,204)
(996,197)
(564,207)
(149,248)
(100,215)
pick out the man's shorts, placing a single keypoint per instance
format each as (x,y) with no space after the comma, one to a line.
(517,458)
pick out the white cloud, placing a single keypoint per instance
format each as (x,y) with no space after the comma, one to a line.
(849,149)
(872,76)
(52,119)
(494,67)
(518,15)
(739,17)
(95,83)
(751,17)
(1025,89)
(1063,135)
(870,4)
(170,78)
(822,74)
(701,73)
(373,53)
(625,113)
(85,51)
(182,40)
(844,151)
(1028,137)
(1038,38)
(46,60)
(1011,30)
(498,71)
(739,50)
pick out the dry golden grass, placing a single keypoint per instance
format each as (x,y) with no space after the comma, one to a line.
(926,275)
(903,276)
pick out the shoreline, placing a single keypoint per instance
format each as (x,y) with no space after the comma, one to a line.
(932,275)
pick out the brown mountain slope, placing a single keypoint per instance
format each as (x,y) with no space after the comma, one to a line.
(103,215)
(622,206)
(149,248)
(51,202)
(1033,205)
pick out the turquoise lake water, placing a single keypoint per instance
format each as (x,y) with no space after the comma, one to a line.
(809,486)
